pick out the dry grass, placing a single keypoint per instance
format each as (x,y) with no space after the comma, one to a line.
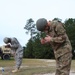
(31,66)
(73,65)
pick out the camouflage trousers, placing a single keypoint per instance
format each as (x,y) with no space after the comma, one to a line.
(63,64)
(18,61)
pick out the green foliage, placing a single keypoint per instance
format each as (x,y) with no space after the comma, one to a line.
(29,50)
(23,52)
(70,28)
(37,50)
(30,27)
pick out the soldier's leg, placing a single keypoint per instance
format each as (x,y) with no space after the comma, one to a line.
(57,67)
(18,62)
(63,64)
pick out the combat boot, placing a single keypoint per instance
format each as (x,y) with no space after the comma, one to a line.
(15,70)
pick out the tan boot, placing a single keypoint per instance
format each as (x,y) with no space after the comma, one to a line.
(15,70)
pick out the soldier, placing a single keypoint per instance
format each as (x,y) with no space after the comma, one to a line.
(57,37)
(15,45)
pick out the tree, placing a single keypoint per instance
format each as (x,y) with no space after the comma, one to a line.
(30,27)
(29,50)
(42,51)
(70,28)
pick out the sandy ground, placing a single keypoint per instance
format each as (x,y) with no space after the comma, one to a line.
(71,73)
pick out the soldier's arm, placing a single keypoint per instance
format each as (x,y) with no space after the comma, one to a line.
(16,44)
(61,34)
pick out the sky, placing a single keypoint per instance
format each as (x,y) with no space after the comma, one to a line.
(15,13)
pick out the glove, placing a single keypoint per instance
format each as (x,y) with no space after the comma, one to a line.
(8,46)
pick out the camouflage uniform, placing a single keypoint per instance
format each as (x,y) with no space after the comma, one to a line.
(62,48)
(15,46)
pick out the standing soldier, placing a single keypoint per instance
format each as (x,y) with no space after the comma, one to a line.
(15,45)
(57,37)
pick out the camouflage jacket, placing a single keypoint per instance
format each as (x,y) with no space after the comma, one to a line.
(15,45)
(60,41)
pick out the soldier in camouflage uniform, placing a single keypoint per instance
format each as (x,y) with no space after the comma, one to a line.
(57,37)
(17,48)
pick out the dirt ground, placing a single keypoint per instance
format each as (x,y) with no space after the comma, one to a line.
(71,73)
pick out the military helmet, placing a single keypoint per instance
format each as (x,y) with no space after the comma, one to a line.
(41,24)
(6,40)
